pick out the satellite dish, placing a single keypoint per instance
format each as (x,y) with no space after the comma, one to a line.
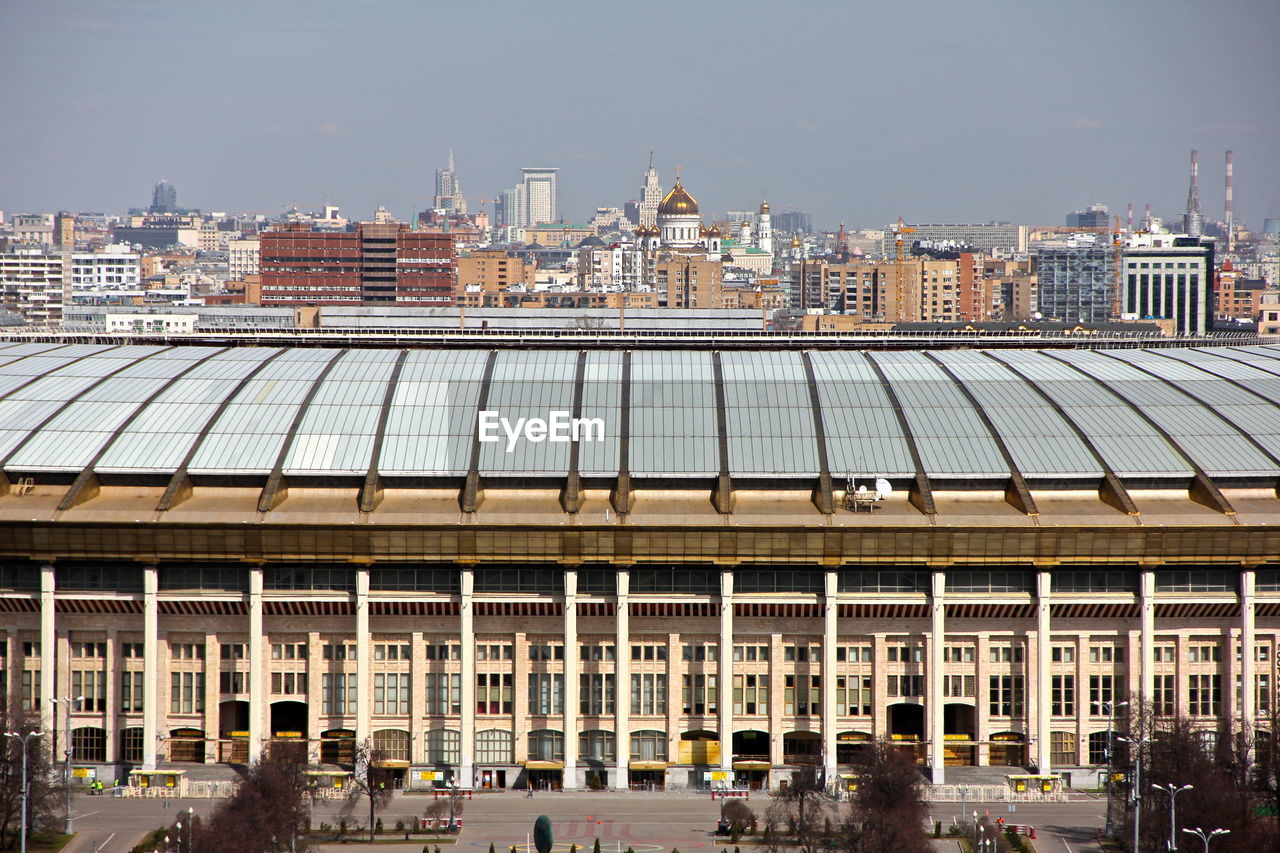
(862,490)
(883,488)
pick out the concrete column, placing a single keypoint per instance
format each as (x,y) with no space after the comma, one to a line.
(212,718)
(315,692)
(152,690)
(257,695)
(570,776)
(48,649)
(829,638)
(933,678)
(466,629)
(1044,645)
(1248,665)
(111,668)
(622,675)
(364,649)
(725,671)
(1147,609)
(1084,719)
(418,699)
(778,696)
(879,687)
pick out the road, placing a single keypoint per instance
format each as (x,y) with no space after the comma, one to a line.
(648,822)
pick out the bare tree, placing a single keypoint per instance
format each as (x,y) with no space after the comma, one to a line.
(800,815)
(267,812)
(888,811)
(43,791)
(370,781)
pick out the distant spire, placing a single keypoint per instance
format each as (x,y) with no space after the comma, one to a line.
(651,160)
(1193,221)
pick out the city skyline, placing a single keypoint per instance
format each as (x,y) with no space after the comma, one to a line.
(266,114)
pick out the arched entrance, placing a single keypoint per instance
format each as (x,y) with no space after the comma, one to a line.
(802,748)
(906,729)
(233,732)
(959,728)
(751,759)
(89,743)
(186,745)
(1008,749)
(289,730)
(338,746)
(853,748)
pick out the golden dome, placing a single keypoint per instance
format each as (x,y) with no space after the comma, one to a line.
(678,202)
(764,206)
(714,231)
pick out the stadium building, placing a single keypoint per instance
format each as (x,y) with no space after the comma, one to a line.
(658,566)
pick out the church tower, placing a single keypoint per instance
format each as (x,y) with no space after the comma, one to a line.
(678,218)
(764,234)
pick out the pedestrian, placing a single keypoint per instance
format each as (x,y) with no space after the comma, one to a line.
(529,791)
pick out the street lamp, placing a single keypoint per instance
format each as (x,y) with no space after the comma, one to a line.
(1206,837)
(1137,744)
(67,701)
(191,828)
(1110,710)
(1173,811)
(25,784)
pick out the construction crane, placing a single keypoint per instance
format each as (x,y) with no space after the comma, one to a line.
(901,261)
(1116,246)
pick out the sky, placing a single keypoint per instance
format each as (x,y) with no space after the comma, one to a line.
(857,112)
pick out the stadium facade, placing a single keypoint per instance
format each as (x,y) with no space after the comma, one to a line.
(229,549)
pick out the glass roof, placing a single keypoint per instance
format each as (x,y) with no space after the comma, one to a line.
(950,436)
(602,398)
(528,386)
(673,414)
(338,427)
(433,413)
(768,415)
(862,431)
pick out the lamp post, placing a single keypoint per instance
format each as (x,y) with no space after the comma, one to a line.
(1206,837)
(68,826)
(25,784)
(1173,811)
(1137,744)
(1110,709)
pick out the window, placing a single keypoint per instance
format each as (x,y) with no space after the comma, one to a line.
(233,682)
(31,649)
(442,651)
(415,580)
(1102,695)
(596,692)
(546,651)
(493,692)
(31,690)
(1106,654)
(131,745)
(802,695)
(1094,581)
(338,692)
(1165,696)
(703,652)
(1163,654)
(1204,695)
(649,652)
(499,651)
(444,693)
(882,581)
(233,651)
(906,685)
(391,651)
(444,746)
(596,745)
(546,745)
(853,695)
(92,685)
(853,654)
(682,579)
(322,578)
(1204,653)
(649,693)
(1099,747)
(906,654)
(957,654)
(288,651)
(88,650)
(1196,580)
(131,692)
(1262,654)
(494,746)
(288,683)
(1006,695)
(392,743)
(1062,748)
(802,654)
(338,651)
(546,693)
(958,686)
(751,694)
(522,579)
(596,651)
(131,650)
(391,693)
(186,693)
(1063,654)
(1062,690)
(1005,654)
(751,653)
(88,744)
(187,651)
(648,745)
(988,582)
(1263,693)
(698,694)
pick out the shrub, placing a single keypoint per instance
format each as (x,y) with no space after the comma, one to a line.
(377,826)
(595,848)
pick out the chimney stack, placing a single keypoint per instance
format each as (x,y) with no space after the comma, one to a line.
(1229,211)
(1130,216)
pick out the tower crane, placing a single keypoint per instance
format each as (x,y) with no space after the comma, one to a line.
(901,261)
(1117,244)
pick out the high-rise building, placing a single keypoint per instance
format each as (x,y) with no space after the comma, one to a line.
(1094,216)
(650,196)
(448,191)
(164,198)
(36,284)
(511,210)
(795,222)
(377,264)
(114,267)
(1076,281)
(1168,277)
(539,195)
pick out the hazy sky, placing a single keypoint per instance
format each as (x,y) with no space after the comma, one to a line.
(938,112)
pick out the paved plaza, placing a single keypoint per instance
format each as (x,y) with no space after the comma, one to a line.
(647,822)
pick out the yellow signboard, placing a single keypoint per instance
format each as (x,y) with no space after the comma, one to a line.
(719,775)
(426,775)
(699,752)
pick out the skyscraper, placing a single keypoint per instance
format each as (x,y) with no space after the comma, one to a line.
(539,195)
(164,198)
(448,191)
(650,195)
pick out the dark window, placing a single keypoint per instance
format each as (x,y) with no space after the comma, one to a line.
(230,577)
(601,581)
(340,578)
(108,577)
(19,575)
(522,579)
(1196,580)
(882,580)
(416,579)
(988,581)
(1099,580)
(692,579)
(778,580)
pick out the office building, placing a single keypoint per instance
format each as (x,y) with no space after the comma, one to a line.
(539,195)
(1094,216)
(1076,281)
(113,267)
(303,560)
(1168,277)
(242,258)
(164,198)
(377,263)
